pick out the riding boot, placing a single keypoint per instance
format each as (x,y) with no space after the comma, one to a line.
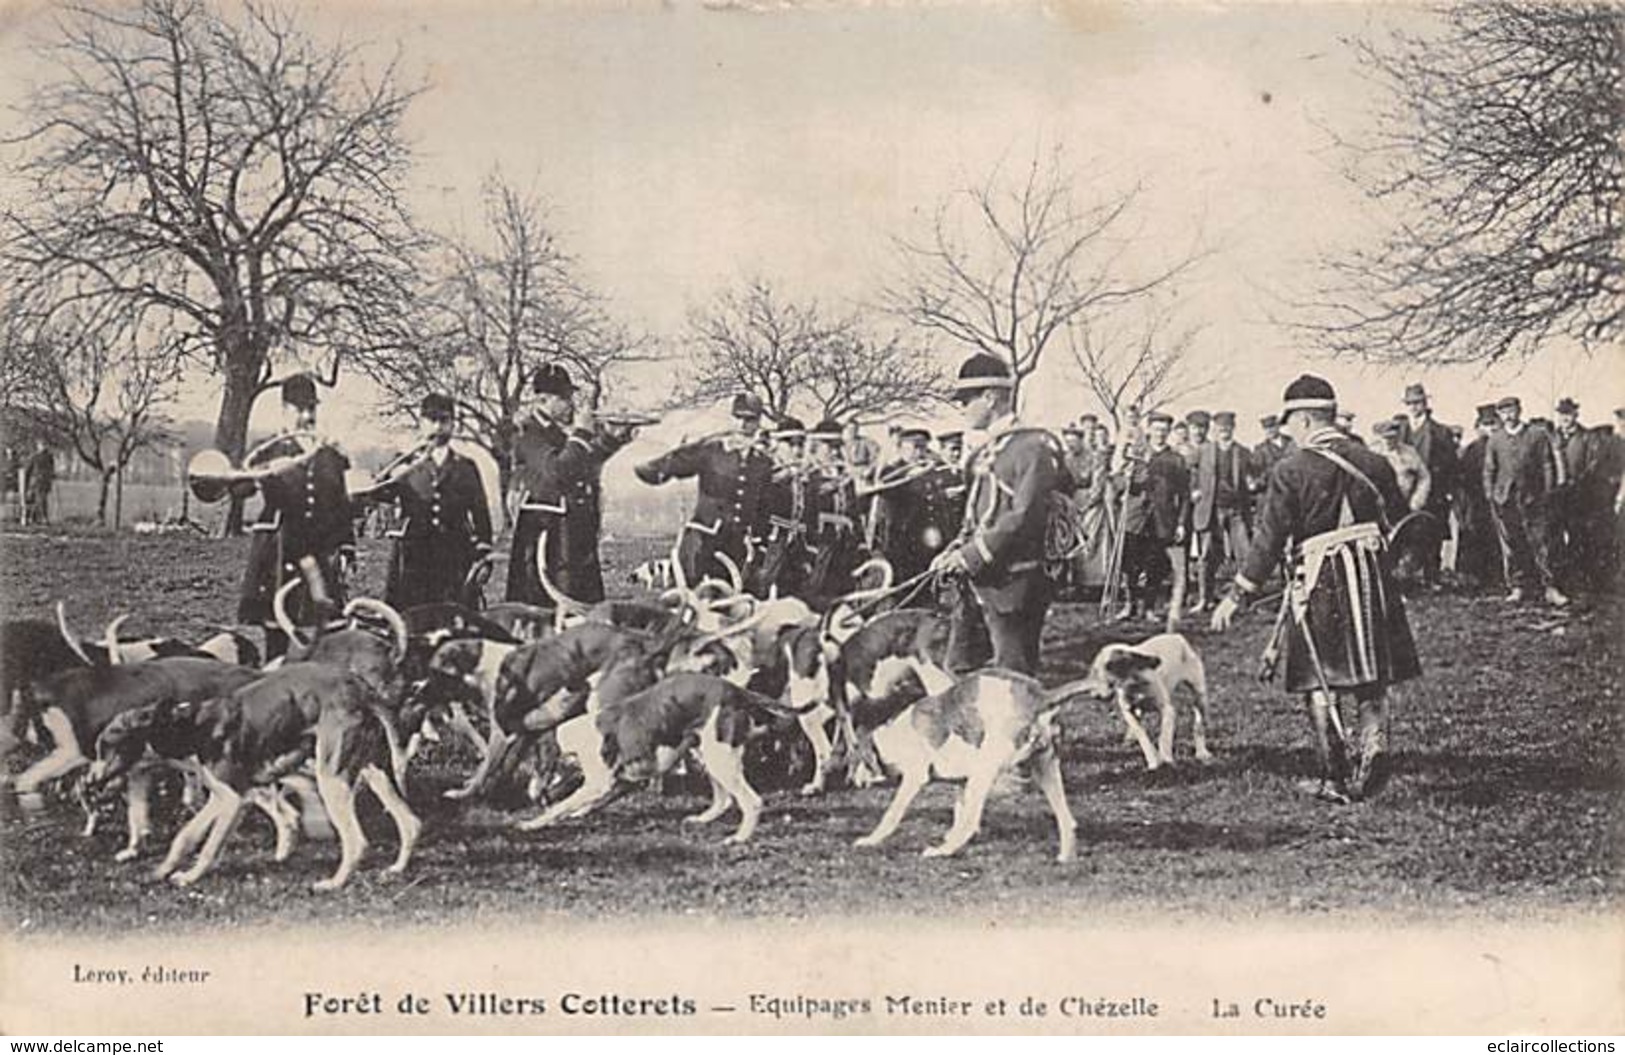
(1373,744)
(1333,757)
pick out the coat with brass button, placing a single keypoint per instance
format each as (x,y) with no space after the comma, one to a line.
(732,473)
(305,513)
(557,474)
(445,529)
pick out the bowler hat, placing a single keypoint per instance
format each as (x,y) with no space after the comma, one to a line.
(438,407)
(1415,393)
(1269,421)
(1308,392)
(1200,418)
(1567,406)
(982,371)
(1158,417)
(828,429)
(746,405)
(1225,417)
(551,379)
(914,432)
(1509,403)
(299,391)
(1487,415)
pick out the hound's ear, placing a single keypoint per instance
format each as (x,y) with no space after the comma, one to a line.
(1127,663)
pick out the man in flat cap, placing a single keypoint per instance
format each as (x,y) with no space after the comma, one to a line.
(732,471)
(305,529)
(1347,638)
(1435,444)
(1271,449)
(1521,471)
(445,521)
(1000,549)
(558,465)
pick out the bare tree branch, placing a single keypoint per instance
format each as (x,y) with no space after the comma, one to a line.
(1500,148)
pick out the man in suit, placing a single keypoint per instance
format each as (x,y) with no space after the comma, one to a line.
(1220,503)
(1437,446)
(1270,450)
(1520,473)
(1580,513)
(304,529)
(558,463)
(445,523)
(1156,519)
(1478,549)
(1000,549)
(732,471)
(1348,639)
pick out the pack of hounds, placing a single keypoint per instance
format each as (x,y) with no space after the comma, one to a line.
(595,701)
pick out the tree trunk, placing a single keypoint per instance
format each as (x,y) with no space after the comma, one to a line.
(106,482)
(231,427)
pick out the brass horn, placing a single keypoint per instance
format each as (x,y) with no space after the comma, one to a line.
(211,475)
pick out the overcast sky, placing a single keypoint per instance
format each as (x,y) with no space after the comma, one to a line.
(682,148)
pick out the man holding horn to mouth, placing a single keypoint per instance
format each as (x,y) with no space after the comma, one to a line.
(558,460)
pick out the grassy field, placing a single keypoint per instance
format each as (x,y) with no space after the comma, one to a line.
(1505,796)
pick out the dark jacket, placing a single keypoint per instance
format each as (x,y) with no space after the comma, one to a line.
(1159,491)
(729,511)
(1013,476)
(1519,468)
(446,527)
(557,474)
(305,513)
(1437,446)
(1218,470)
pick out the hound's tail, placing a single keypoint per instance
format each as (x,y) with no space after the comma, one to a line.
(1065,693)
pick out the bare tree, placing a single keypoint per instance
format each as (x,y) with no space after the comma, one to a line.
(853,374)
(1006,268)
(798,357)
(1137,357)
(753,340)
(102,386)
(496,307)
(232,174)
(1500,147)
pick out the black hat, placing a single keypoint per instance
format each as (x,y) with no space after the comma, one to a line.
(828,429)
(1567,406)
(1388,426)
(1308,392)
(1075,429)
(746,405)
(299,391)
(1487,415)
(1225,417)
(950,435)
(1270,421)
(1415,393)
(551,379)
(1509,403)
(1198,417)
(790,429)
(914,432)
(1158,417)
(1089,419)
(438,407)
(982,371)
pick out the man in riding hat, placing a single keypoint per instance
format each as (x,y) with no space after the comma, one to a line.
(304,529)
(1000,549)
(1347,638)
(558,461)
(732,471)
(446,525)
